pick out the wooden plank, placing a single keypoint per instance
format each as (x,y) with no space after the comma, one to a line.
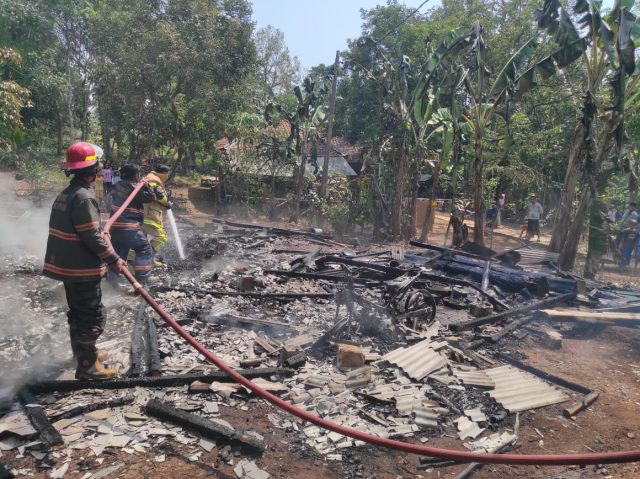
(154,382)
(609,315)
(512,312)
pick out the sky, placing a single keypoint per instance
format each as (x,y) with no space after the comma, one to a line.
(314,30)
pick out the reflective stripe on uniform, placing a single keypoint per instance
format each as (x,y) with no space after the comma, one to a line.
(101,271)
(94,225)
(154,224)
(107,253)
(115,208)
(125,225)
(63,235)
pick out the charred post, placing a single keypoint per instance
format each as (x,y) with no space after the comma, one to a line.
(210,429)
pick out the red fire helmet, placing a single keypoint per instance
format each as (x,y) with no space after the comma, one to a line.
(80,155)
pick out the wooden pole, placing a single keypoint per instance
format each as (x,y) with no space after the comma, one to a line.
(332,107)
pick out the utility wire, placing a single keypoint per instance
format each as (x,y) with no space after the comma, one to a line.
(395,29)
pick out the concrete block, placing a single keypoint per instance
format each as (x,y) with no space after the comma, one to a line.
(552,339)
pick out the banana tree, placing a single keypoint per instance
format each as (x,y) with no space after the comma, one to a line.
(608,53)
(441,125)
(510,83)
(309,115)
(410,101)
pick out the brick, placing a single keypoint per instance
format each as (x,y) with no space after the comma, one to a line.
(350,356)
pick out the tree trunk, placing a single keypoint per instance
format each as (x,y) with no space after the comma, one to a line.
(295,213)
(70,101)
(426,227)
(328,149)
(478,192)
(562,218)
(85,112)
(570,248)
(597,239)
(414,175)
(398,193)
(59,127)
(455,160)
(106,143)
(598,179)
(582,146)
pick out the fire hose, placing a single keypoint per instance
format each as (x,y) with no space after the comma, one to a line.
(447,454)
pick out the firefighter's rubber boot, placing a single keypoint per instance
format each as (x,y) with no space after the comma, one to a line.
(103,355)
(93,369)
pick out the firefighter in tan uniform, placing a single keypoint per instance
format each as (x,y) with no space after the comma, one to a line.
(153,224)
(78,255)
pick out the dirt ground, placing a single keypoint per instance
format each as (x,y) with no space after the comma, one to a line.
(604,359)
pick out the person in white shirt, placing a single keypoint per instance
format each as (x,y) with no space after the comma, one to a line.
(534,212)
(612,213)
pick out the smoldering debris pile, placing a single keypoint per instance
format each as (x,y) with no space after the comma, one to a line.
(396,343)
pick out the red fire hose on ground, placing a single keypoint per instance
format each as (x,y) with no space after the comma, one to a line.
(448,454)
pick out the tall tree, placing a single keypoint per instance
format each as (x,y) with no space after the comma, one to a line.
(276,68)
(13,98)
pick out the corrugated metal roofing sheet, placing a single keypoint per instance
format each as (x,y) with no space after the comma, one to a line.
(417,361)
(474,377)
(517,390)
(425,417)
(532,256)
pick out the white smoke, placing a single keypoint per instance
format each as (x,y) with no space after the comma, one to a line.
(32,316)
(23,225)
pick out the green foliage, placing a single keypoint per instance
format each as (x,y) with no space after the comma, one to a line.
(13,98)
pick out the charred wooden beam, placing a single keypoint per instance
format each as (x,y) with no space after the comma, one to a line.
(580,405)
(442,249)
(210,429)
(277,231)
(76,411)
(513,312)
(506,277)
(323,277)
(248,294)
(509,328)
(154,364)
(154,382)
(463,282)
(565,383)
(230,318)
(137,341)
(390,271)
(39,419)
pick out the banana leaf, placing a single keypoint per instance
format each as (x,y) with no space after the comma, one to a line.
(508,73)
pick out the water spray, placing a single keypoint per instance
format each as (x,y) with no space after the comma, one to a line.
(176,235)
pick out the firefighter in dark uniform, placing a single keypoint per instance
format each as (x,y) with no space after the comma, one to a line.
(126,231)
(76,255)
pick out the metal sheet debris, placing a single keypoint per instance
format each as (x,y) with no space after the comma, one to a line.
(418,361)
(518,390)
(474,377)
